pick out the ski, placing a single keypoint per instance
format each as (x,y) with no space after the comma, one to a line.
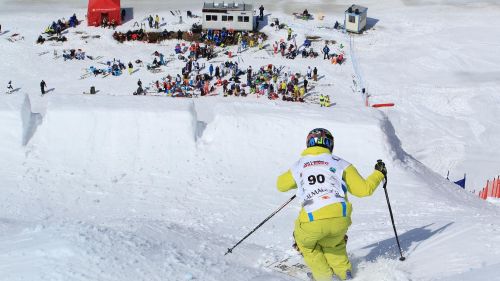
(292,266)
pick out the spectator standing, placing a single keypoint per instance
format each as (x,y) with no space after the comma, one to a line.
(261,12)
(217,72)
(157,22)
(150,21)
(211,70)
(315,74)
(326,52)
(42,87)
(10,88)
(130,68)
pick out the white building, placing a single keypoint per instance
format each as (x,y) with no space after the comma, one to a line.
(355,18)
(237,16)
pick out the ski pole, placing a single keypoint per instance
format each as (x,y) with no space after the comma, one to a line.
(392,220)
(230,250)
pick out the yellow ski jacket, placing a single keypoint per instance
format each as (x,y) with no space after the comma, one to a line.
(356,185)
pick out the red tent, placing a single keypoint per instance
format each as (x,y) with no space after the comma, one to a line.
(104,9)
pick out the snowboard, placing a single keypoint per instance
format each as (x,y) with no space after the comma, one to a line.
(292,266)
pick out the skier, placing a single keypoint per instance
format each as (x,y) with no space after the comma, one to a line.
(42,87)
(10,88)
(322,181)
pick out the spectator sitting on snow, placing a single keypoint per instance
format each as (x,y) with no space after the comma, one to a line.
(155,63)
(73,21)
(80,55)
(40,40)
(178,49)
(66,56)
(139,91)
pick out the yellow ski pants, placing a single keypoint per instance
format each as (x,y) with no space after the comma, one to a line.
(323,246)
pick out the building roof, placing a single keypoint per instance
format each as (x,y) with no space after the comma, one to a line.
(224,6)
(353,8)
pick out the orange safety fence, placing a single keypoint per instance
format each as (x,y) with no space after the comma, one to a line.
(492,189)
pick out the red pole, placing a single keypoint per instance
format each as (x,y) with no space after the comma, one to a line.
(498,187)
(493,188)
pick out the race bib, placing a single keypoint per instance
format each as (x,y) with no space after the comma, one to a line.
(319,181)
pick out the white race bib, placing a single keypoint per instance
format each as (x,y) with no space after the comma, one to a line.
(319,180)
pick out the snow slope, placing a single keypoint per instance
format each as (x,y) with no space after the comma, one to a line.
(438,63)
(120,187)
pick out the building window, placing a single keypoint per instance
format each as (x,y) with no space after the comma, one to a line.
(224,18)
(240,18)
(230,18)
(246,19)
(210,18)
(352,19)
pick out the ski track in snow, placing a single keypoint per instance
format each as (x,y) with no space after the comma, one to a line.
(114,187)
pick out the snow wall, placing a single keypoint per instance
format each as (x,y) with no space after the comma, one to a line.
(105,136)
(17,124)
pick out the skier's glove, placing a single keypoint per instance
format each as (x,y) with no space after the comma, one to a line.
(380,166)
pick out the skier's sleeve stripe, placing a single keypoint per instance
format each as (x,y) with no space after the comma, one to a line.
(344,209)
(311,218)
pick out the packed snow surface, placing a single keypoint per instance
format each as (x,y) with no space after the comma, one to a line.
(119,187)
